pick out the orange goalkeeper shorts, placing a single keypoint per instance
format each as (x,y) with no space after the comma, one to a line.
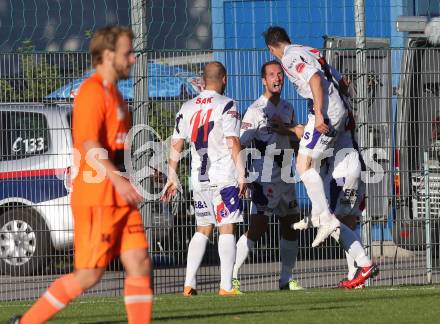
(102,233)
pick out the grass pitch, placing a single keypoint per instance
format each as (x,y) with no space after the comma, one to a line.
(370,306)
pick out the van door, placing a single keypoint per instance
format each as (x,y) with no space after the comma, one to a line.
(374,125)
(417,136)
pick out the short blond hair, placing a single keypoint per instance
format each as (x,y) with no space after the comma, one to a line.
(105,39)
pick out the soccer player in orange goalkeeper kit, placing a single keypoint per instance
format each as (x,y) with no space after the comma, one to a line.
(104,203)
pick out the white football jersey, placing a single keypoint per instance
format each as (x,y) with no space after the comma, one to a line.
(257,131)
(300,63)
(205,121)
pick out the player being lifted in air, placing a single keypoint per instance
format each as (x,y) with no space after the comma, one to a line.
(328,126)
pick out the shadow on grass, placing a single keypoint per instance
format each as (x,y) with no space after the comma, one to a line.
(249,312)
(89,320)
(386,298)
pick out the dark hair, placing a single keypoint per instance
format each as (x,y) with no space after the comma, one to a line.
(106,38)
(273,62)
(275,35)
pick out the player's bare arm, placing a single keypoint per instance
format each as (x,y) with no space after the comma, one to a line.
(171,186)
(318,100)
(235,147)
(298,130)
(122,185)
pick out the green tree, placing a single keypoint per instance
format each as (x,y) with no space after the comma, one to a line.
(7,92)
(161,117)
(38,77)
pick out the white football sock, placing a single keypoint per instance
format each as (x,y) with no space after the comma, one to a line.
(226,251)
(351,243)
(348,171)
(288,254)
(315,190)
(244,246)
(196,251)
(351,263)
(351,266)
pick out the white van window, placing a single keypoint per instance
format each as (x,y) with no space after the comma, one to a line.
(23,134)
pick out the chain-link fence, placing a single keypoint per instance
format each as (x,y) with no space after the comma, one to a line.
(398,131)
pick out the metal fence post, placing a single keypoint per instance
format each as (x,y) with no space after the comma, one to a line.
(140,97)
(427,220)
(361,71)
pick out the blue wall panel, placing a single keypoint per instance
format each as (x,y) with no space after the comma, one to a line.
(243,22)
(306,21)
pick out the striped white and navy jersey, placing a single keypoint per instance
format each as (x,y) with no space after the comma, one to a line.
(257,131)
(300,63)
(205,122)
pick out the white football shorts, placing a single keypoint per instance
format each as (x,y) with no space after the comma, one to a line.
(217,204)
(277,199)
(313,143)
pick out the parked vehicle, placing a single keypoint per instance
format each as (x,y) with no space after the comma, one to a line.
(374,127)
(35,215)
(164,82)
(417,141)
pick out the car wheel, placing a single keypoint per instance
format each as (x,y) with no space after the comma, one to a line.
(25,242)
